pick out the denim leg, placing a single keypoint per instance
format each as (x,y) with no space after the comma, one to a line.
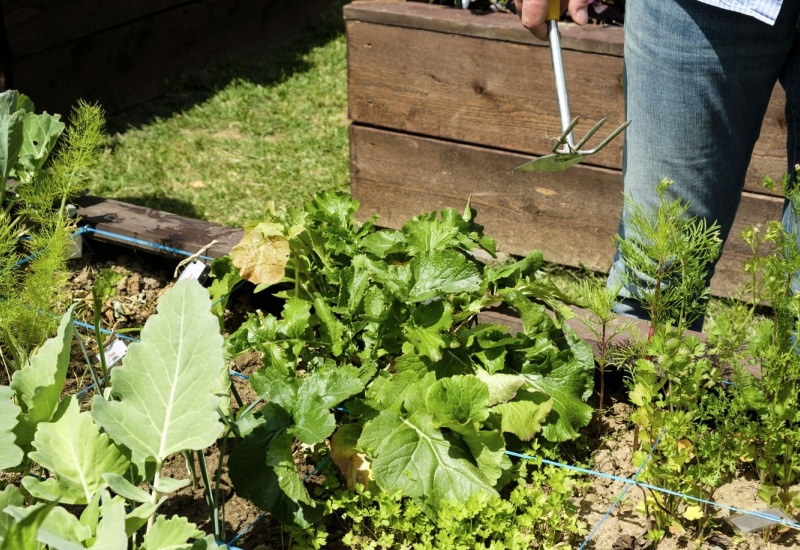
(790,80)
(697,84)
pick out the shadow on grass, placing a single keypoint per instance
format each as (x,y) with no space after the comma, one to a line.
(196,86)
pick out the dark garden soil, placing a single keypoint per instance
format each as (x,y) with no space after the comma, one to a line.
(140,279)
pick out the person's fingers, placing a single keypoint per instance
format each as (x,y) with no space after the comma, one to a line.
(533,14)
(579,11)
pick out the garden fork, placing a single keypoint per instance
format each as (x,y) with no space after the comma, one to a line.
(565,152)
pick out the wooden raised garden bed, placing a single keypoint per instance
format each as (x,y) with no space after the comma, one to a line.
(445,103)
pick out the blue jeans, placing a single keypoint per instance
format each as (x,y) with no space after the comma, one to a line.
(697,82)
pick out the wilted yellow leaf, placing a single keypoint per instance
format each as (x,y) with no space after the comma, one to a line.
(262,254)
(693,512)
(354,465)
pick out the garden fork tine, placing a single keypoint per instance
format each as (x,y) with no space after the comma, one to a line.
(565,152)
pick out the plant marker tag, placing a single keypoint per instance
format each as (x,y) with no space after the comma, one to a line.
(747,523)
(115,351)
(196,270)
(75,247)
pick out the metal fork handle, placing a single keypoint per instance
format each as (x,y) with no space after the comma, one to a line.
(560,80)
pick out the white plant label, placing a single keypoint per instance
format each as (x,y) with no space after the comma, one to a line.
(114,352)
(196,271)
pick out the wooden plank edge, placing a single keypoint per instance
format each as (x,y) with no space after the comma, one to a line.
(499,26)
(135,226)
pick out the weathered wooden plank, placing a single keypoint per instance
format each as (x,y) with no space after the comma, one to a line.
(570,216)
(130,63)
(495,26)
(453,85)
(154,226)
(35,25)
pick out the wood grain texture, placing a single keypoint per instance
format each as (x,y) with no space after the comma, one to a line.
(446,73)
(570,216)
(123,65)
(154,226)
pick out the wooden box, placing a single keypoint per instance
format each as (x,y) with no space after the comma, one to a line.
(445,103)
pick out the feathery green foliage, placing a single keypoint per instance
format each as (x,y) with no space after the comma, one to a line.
(35,227)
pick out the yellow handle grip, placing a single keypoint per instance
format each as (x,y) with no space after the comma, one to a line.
(554,10)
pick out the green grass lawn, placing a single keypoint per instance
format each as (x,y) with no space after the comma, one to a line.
(230,142)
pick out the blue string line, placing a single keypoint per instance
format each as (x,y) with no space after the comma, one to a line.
(762,515)
(622,494)
(33,256)
(145,243)
(262,516)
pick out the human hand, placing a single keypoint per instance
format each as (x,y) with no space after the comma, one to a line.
(534,14)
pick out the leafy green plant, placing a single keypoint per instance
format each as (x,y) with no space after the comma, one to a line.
(667,256)
(378,339)
(34,220)
(164,399)
(537,513)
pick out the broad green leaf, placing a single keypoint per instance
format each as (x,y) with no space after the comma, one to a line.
(458,402)
(9,496)
(334,207)
(523,418)
(164,391)
(41,132)
(385,242)
(22,534)
(257,482)
(38,385)
(137,517)
(568,381)
(426,233)
(225,276)
(73,449)
(295,317)
(333,331)
(355,282)
(60,523)
(388,392)
(10,454)
(526,266)
(125,488)
(262,254)
(535,319)
(317,394)
(412,456)
(171,534)
(12,101)
(442,273)
(170,485)
(111,533)
(275,386)
(489,450)
(427,329)
(280,458)
(11,139)
(502,387)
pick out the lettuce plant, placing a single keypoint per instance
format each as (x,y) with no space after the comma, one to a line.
(378,343)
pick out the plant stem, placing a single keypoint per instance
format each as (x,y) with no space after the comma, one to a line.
(210,496)
(99,334)
(154,495)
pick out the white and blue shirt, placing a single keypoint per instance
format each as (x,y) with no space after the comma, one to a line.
(763,10)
